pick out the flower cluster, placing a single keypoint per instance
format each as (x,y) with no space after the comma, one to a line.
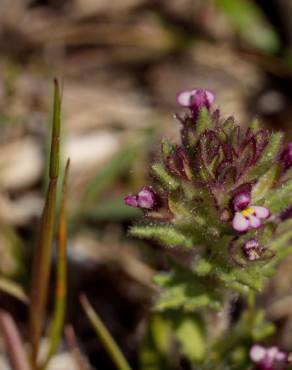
(221,184)
(215,156)
(270,358)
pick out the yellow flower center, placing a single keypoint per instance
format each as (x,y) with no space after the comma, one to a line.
(247,212)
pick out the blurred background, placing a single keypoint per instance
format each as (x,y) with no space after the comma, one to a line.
(121,63)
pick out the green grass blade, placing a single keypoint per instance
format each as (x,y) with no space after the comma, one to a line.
(61,279)
(43,252)
(104,335)
(15,290)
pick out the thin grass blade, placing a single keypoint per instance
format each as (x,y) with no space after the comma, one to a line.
(43,252)
(15,290)
(108,341)
(61,279)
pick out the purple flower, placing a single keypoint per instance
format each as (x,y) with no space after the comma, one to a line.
(286,157)
(146,198)
(131,200)
(270,358)
(252,249)
(249,218)
(195,99)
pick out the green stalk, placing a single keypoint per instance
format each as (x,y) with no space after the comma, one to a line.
(61,279)
(43,251)
(108,341)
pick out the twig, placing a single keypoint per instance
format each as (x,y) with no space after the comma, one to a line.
(13,342)
(80,361)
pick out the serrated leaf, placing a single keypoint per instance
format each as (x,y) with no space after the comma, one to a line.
(262,328)
(178,209)
(167,148)
(204,121)
(203,268)
(160,330)
(165,178)
(165,234)
(254,125)
(190,336)
(171,298)
(265,183)
(279,199)
(157,345)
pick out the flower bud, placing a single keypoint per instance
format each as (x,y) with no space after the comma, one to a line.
(252,249)
(241,201)
(131,200)
(196,99)
(145,199)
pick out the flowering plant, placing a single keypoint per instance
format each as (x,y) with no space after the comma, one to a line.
(224,193)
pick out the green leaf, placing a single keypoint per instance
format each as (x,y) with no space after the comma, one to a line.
(178,209)
(165,178)
(171,298)
(204,121)
(165,234)
(189,333)
(262,328)
(283,236)
(254,125)
(265,183)
(157,345)
(203,268)
(166,148)
(278,199)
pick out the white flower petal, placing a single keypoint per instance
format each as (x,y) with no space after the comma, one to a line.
(240,223)
(255,222)
(184,98)
(261,212)
(210,96)
(281,356)
(272,352)
(257,353)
